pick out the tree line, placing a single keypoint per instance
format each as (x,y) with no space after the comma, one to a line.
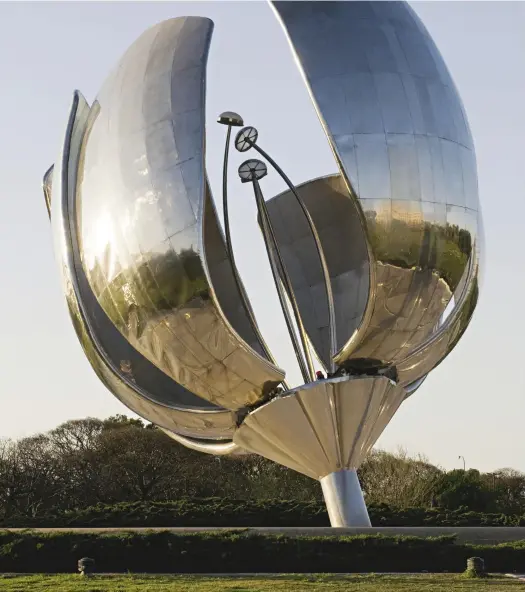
(86,462)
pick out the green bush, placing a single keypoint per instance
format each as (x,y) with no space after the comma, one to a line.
(208,512)
(228,551)
(213,512)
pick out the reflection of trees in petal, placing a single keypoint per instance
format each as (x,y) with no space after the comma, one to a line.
(163,282)
(443,249)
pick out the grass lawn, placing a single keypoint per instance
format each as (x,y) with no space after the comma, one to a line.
(290,583)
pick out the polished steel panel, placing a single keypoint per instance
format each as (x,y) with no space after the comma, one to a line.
(404,169)
(363,107)
(395,110)
(401,139)
(338,225)
(151,245)
(374,178)
(324,426)
(126,373)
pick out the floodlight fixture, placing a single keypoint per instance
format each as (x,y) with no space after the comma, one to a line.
(252,170)
(230,118)
(246,138)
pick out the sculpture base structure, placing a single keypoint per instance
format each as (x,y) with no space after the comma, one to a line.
(344,499)
(324,429)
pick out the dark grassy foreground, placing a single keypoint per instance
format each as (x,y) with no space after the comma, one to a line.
(247,552)
(314,583)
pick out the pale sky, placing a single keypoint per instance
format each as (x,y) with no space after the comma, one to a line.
(473,405)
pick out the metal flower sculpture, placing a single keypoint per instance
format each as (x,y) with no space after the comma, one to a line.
(376,267)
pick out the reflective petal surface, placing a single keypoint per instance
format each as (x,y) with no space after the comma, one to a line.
(401,138)
(150,243)
(126,373)
(338,224)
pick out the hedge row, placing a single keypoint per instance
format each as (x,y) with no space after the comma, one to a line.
(221,512)
(230,552)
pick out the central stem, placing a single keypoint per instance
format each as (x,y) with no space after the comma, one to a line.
(344,499)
